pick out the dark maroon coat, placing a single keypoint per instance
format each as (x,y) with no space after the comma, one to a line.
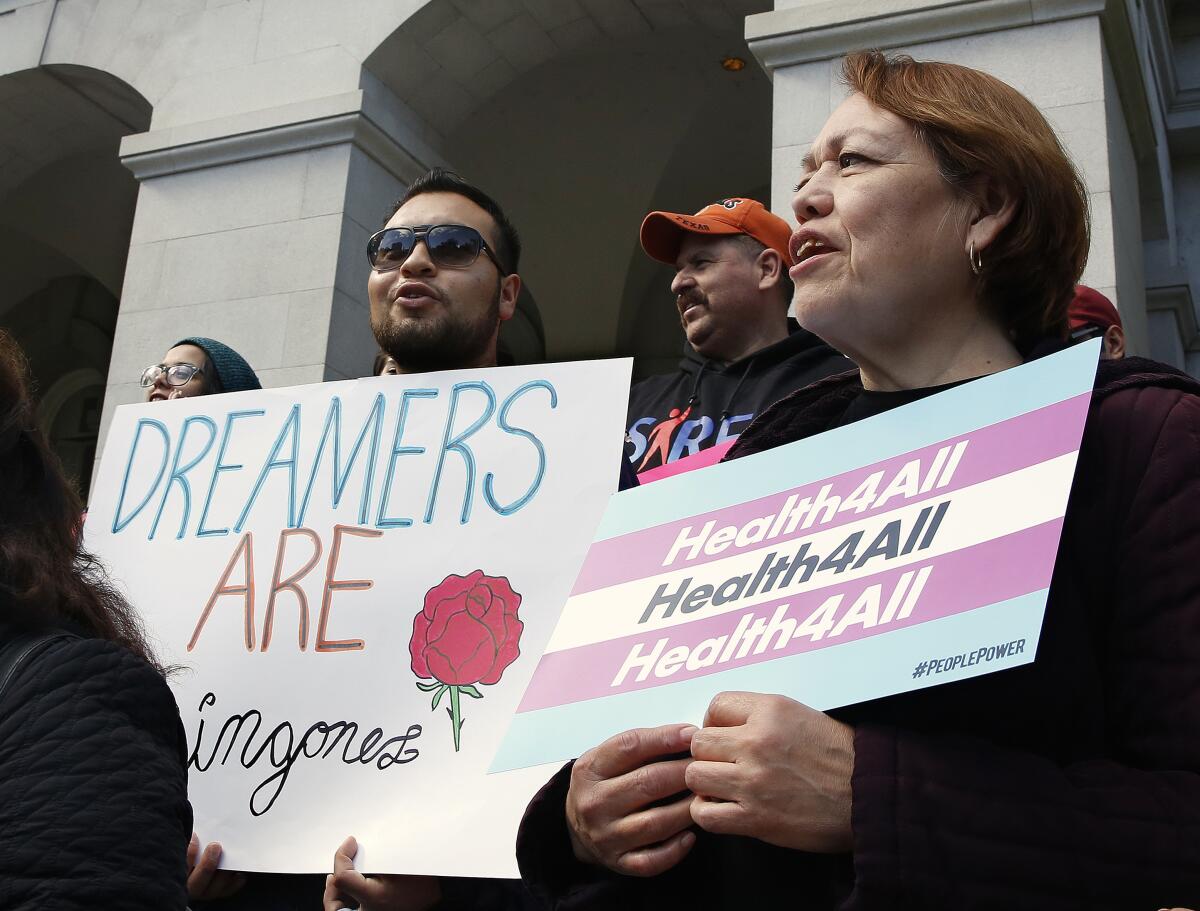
(1070,783)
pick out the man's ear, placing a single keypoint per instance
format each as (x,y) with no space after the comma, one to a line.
(1114,343)
(510,290)
(768,266)
(991,209)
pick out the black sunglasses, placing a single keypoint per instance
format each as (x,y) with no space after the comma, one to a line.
(449,246)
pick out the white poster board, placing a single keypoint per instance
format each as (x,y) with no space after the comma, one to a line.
(357,580)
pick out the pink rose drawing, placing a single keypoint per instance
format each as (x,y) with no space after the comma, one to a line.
(467,633)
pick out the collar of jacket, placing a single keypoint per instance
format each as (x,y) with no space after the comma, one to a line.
(811,410)
(797,340)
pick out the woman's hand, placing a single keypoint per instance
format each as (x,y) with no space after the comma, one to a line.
(204,881)
(773,769)
(375,893)
(609,805)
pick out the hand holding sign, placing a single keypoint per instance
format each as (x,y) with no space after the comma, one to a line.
(612,812)
(205,882)
(773,769)
(346,887)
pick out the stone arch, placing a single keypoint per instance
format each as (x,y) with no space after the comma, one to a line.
(69,415)
(66,213)
(579,117)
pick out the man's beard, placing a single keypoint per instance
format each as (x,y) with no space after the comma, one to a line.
(449,340)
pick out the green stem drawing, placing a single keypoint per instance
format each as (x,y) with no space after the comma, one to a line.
(440,689)
(456,719)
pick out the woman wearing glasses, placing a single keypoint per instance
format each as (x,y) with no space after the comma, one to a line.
(197,366)
(201,366)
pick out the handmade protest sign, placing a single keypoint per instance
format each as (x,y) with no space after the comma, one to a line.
(906,550)
(356,580)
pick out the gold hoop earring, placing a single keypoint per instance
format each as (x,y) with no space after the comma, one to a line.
(975,260)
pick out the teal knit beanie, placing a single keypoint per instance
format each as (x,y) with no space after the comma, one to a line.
(233,373)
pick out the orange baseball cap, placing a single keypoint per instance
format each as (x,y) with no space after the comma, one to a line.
(662,232)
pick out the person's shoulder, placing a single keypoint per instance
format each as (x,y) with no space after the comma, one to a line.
(73,676)
(803,413)
(1143,397)
(655,391)
(1145,417)
(1124,375)
(84,658)
(658,382)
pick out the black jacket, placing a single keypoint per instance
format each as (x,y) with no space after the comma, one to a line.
(93,782)
(714,402)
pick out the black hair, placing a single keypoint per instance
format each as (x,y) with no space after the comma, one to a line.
(47,578)
(440,180)
(212,379)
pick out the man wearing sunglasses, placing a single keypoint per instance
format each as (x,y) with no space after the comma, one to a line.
(443,276)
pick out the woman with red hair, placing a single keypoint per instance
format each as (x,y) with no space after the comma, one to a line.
(941,232)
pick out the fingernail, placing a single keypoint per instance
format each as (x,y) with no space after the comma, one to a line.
(685,735)
(688,839)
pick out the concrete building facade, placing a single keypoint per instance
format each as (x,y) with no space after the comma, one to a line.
(214,167)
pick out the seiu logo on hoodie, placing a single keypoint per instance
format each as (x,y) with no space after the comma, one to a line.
(659,442)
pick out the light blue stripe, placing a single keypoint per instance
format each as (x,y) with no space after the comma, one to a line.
(838,675)
(956,411)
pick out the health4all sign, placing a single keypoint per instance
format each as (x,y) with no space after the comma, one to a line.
(356,580)
(905,550)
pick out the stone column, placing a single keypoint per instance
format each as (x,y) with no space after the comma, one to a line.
(252,229)
(1062,54)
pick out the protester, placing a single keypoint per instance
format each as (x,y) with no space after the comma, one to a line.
(93,782)
(203,366)
(732,292)
(197,366)
(443,278)
(942,230)
(1091,314)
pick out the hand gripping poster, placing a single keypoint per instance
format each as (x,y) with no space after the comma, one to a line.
(906,550)
(354,582)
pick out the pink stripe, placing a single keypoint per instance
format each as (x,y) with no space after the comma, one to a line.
(702,459)
(993,451)
(960,581)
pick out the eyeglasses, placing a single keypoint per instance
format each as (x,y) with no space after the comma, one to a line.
(177,374)
(449,246)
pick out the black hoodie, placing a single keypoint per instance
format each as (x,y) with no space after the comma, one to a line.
(705,403)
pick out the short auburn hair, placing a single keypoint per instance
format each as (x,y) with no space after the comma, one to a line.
(976,125)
